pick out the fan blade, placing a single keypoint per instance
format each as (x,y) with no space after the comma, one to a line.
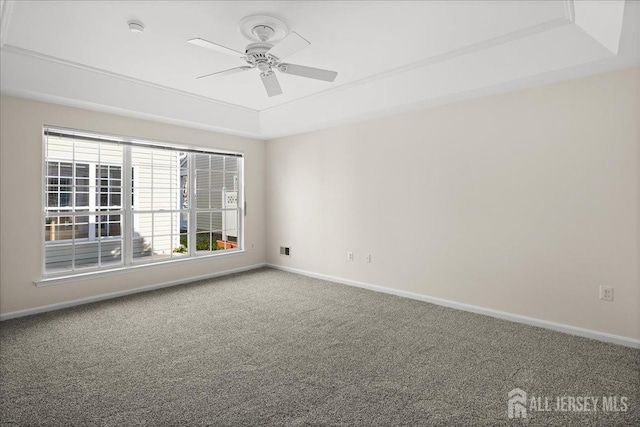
(288,46)
(270,82)
(229,71)
(310,72)
(216,47)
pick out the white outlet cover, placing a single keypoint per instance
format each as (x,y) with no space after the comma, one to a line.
(606,293)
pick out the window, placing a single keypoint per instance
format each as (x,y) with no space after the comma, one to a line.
(66,180)
(114,203)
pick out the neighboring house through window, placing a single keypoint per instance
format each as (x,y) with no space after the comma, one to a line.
(113,203)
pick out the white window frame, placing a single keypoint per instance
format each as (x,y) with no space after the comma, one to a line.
(92,208)
(128,180)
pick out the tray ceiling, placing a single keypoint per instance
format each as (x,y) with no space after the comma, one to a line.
(390,56)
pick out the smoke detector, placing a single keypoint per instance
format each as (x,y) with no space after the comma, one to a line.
(136,27)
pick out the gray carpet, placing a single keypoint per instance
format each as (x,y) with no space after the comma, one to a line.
(272,348)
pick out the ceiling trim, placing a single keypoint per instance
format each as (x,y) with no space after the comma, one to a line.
(570,11)
(485,44)
(602,21)
(498,89)
(565,22)
(30,77)
(472,48)
(30,53)
(6,10)
(107,109)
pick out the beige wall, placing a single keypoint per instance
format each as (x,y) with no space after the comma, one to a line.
(524,202)
(21,193)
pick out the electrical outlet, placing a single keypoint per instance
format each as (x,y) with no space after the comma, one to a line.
(606,293)
(350,256)
(367,258)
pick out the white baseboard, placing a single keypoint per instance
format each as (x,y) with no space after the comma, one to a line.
(568,329)
(101,297)
(573,330)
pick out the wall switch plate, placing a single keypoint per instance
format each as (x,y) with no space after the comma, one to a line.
(253,245)
(367,258)
(606,293)
(350,256)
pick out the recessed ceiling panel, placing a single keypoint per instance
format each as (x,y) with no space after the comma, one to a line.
(358,39)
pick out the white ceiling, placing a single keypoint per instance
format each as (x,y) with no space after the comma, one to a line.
(390,56)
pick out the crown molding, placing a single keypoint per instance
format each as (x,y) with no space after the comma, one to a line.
(34,78)
(565,21)
(30,53)
(569,11)
(6,11)
(107,109)
(476,47)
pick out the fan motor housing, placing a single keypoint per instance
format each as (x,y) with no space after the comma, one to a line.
(257,55)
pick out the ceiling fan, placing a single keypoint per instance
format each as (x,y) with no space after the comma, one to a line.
(265,55)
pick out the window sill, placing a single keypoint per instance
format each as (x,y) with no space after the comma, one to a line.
(74,277)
